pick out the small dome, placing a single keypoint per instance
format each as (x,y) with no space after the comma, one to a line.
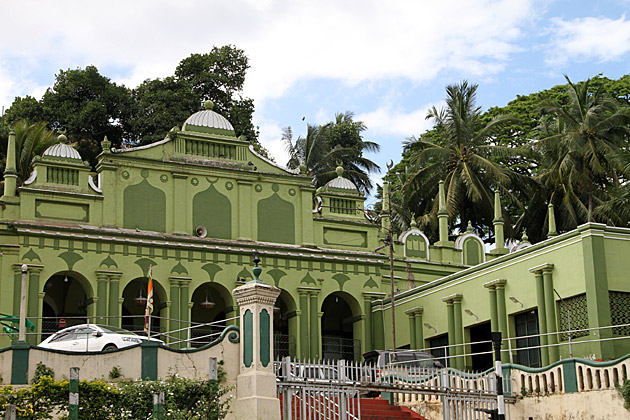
(63,151)
(208,121)
(342,183)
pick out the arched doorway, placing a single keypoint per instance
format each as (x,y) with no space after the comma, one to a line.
(135,303)
(284,326)
(67,296)
(340,329)
(212,304)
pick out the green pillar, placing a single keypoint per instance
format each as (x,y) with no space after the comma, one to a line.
(378,328)
(459,336)
(184,309)
(314,327)
(502,316)
(494,317)
(114,301)
(173,324)
(450,317)
(550,308)
(367,335)
(442,217)
(304,344)
(101,294)
(542,315)
(419,333)
(596,285)
(32,300)
(412,329)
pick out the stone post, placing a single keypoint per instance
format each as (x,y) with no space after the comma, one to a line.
(256,382)
(551,222)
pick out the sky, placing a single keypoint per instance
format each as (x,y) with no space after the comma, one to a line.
(388,62)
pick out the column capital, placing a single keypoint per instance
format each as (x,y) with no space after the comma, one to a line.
(183,281)
(370,296)
(540,268)
(308,290)
(454,298)
(177,175)
(31,267)
(418,310)
(498,283)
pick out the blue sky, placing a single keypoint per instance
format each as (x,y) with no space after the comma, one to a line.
(386,61)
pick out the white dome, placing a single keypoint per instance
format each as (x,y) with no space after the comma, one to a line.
(342,183)
(62,150)
(207,119)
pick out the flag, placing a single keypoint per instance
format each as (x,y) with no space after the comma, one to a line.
(149,309)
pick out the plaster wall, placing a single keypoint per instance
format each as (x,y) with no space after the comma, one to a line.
(5,367)
(92,366)
(597,405)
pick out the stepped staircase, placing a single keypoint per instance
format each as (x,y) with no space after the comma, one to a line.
(373,409)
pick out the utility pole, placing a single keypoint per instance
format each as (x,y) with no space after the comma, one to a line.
(391,261)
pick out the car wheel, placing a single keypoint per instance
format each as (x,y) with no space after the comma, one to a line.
(110,347)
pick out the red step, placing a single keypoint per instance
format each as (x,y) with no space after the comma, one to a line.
(379,409)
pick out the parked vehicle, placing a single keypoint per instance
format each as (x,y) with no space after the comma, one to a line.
(93,337)
(408,366)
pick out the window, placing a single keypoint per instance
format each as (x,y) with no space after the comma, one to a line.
(439,348)
(527,325)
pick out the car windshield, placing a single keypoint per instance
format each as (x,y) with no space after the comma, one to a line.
(115,330)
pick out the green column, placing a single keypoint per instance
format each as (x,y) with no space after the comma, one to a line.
(419,333)
(184,309)
(550,307)
(314,325)
(173,324)
(494,317)
(542,316)
(378,329)
(450,317)
(101,293)
(412,329)
(367,335)
(32,301)
(304,344)
(114,302)
(502,316)
(459,339)
(597,294)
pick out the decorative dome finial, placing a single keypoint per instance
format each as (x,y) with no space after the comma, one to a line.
(208,105)
(339,168)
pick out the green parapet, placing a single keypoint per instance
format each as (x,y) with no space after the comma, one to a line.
(149,364)
(19,363)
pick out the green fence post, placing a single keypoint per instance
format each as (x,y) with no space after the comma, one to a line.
(570,376)
(158,405)
(19,363)
(73,409)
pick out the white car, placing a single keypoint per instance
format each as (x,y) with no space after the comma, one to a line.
(93,337)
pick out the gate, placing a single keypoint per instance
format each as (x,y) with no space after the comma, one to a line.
(331,390)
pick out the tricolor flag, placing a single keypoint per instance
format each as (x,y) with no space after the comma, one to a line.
(149,309)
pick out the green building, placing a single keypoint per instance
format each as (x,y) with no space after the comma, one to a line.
(193,208)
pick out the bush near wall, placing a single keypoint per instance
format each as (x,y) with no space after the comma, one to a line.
(183,399)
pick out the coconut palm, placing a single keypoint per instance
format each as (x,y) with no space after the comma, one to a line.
(461,153)
(327,146)
(581,152)
(30,140)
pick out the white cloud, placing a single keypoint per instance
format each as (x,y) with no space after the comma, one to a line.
(353,41)
(387,120)
(602,39)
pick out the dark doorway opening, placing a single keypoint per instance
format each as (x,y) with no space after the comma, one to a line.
(479,333)
(528,349)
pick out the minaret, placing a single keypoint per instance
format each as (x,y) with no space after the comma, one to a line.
(499,234)
(443,218)
(552,222)
(10,172)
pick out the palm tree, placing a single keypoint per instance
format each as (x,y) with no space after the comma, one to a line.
(460,151)
(30,140)
(581,152)
(327,146)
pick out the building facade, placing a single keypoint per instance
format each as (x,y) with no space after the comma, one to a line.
(192,209)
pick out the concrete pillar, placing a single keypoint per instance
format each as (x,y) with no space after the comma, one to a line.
(115,300)
(101,294)
(502,316)
(442,217)
(32,306)
(256,382)
(419,332)
(314,325)
(378,327)
(450,317)
(551,222)
(174,309)
(184,308)
(494,317)
(499,235)
(550,307)
(412,329)
(304,350)
(367,335)
(542,315)
(459,332)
